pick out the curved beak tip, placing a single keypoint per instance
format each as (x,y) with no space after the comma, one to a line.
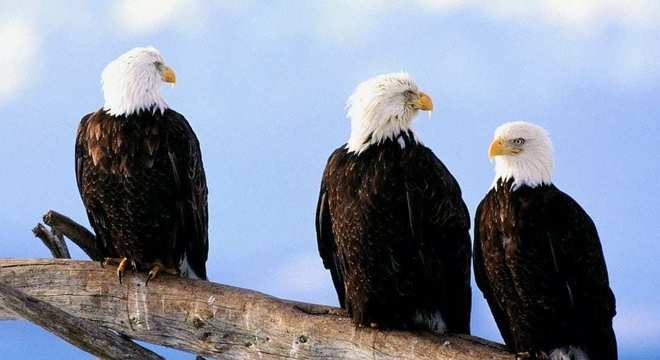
(425,102)
(496,148)
(168,75)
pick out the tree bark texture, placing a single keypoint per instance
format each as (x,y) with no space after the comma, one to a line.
(221,321)
(81,333)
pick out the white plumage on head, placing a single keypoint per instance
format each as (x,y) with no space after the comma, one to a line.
(131,83)
(382,107)
(522,152)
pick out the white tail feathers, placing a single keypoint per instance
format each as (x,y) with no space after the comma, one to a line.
(185,270)
(568,353)
(431,321)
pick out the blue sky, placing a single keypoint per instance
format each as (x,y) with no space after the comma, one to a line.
(264,86)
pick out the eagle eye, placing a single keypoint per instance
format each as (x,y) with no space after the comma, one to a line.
(518,141)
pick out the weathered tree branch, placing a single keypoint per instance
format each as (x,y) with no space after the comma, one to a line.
(81,333)
(84,334)
(77,233)
(222,321)
(53,240)
(207,318)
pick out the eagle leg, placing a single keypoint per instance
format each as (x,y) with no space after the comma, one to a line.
(123,264)
(152,274)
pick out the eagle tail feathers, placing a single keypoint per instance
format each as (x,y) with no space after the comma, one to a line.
(568,353)
(186,270)
(431,321)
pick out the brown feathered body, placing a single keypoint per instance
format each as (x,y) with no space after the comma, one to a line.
(392,229)
(142,182)
(539,263)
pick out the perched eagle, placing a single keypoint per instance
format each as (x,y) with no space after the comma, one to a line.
(537,256)
(391,225)
(140,174)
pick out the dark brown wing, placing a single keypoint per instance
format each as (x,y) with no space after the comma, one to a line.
(581,263)
(188,172)
(480,221)
(326,239)
(440,222)
(85,180)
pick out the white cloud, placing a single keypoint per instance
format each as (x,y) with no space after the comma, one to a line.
(235,7)
(145,17)
(632,54)
(584,16)
(140,17)
(348,22)
(18,58)
(442,5)
(23,25)
(344,23)
(51,16)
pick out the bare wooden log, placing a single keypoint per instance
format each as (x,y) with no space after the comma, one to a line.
(54,241)
(77,233)
(222,321)
(5,314)
(81,333)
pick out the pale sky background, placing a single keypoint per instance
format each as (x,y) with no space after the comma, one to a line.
(264,86)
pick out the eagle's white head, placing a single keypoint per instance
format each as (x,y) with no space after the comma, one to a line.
(522,152)
(131,82)
(382,107)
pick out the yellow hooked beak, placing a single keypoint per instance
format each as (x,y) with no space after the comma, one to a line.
(498,147)
(423,102)
(168,75)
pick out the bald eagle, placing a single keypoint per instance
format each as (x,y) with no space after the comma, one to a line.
(140,174)
(391,225)
(537,256)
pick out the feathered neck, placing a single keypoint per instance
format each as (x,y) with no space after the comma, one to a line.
(363,137)
(531,168)
(404,140)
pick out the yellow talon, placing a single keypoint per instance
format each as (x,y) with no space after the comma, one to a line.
(121,268)
(152,274)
